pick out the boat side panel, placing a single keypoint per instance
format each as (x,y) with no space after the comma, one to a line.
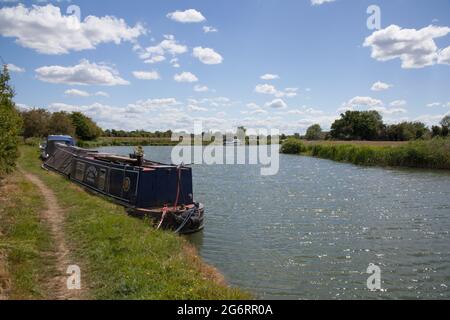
(159,187)
(118,182)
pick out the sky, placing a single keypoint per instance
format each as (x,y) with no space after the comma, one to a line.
(160,65)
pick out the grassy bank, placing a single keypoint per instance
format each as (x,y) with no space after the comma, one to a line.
(25,241)
(432,154)
(126,258)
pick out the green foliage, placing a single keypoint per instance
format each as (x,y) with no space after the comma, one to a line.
(445,122)
(407,131)
(433,154)
(358,125)
(293,146)
(436,131)
(61,124)
(10,125)
(36,123)
(85,127)
(314,132)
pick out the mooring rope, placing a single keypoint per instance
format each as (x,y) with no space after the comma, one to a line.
(185,220)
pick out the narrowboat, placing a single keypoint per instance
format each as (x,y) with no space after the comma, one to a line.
(147,189)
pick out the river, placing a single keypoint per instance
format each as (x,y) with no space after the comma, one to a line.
(311,231)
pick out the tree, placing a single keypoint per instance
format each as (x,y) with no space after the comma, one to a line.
(10,125)
(35,123)
(314,132)
(358,125)
(406,131)
(436,131)
(445,123)
(85,127)
(61,124)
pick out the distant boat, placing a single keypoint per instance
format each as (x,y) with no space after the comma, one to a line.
(146,188)
(234,142)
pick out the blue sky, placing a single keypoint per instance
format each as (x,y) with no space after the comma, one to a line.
(120,64)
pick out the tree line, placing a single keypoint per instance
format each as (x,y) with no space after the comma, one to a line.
(369,125)
(38,123)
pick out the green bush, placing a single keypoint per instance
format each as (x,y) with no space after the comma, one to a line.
(293,146)
(10,125)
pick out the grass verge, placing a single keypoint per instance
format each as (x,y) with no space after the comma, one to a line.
(126,258)
(430,154)
(25,241)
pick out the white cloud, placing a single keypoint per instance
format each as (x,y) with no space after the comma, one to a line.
(269,76)
(199,88)
(380,86)
(266,89)
(431,119)
(398,103)
(270,89)
(146,75)
(415,48)
(207,55)
(185,77)
(102,94)
(444,56)
(384,110)
(252,105)
(85,73)
(155,59)
(77,93)
(46,30)
(155,54)
(14,68)
(319,2)
(187,16)
(359,101)
(192,107)
(142,106)
(254,112)
(438,104)
(208,29)
(276,104)
(82,93)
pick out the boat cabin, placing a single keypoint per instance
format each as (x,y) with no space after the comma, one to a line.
(49,146)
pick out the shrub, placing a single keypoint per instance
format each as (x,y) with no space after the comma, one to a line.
(10,125)
(293,146)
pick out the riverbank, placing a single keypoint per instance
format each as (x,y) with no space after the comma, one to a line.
(430,154)
(122,257)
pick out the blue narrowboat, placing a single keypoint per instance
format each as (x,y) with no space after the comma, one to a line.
(161,192)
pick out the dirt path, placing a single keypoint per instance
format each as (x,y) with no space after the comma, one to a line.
(54,216)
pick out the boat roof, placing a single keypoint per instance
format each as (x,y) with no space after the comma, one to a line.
(60,138)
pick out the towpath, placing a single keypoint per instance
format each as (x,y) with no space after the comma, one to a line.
(54,216)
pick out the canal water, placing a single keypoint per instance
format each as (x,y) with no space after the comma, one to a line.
(312,230)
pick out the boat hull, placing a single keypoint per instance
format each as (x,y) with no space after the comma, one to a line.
(147,190)
(182,221)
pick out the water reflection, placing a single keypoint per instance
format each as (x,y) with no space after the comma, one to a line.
(311,230)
